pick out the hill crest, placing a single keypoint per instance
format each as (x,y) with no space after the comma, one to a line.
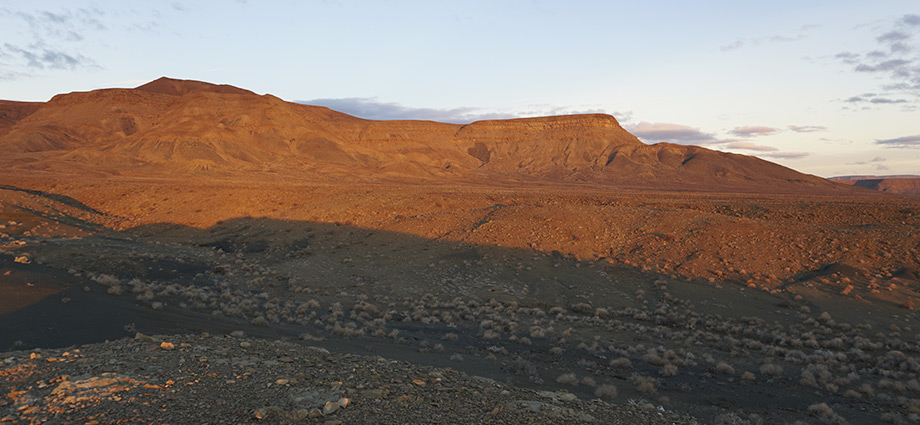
(180,127)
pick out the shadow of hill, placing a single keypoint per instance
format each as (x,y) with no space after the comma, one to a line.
(63,199)
(253,267)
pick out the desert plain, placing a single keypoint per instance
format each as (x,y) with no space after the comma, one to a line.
(185,251)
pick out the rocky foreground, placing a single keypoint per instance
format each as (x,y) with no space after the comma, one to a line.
(206,379)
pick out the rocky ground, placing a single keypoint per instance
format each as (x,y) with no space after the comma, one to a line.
(207,379)
(731,308)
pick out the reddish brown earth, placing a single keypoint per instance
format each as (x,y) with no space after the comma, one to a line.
(909,185)
(172,126)
(193,184)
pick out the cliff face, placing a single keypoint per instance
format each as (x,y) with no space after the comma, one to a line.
(178,126)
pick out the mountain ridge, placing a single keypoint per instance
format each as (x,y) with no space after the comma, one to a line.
(171,126)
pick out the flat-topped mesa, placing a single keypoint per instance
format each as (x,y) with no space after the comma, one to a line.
(175,87)
(587,126)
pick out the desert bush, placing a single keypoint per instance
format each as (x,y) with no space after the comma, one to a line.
(450,336)
(556,351)
(668,370)
(588,382)
(651,357)
(826,415)
(107,280)
(567,379)
(645,384)
(771,369)
(519,366)
(725,368)
(606,391)
(583,308)
(490,334)
(851,393)
(621,362)
(867,390)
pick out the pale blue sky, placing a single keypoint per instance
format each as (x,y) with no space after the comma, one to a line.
(825,87)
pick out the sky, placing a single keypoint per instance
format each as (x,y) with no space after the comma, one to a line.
(824,87)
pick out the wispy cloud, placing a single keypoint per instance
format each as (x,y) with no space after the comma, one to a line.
(787,155)
(895,59)
(871,161)
(901,142)
(753,130)
(373,109)
(53,41)
(800,34)
(38,56)
(807,128)
(671,133)
(749,146)
(873,99)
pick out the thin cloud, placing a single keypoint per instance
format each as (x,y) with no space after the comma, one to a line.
(39,57)
(750,147)
(807,128)
(737,44)
(871,161)
(67,25)
(901,142)
(754,130)
(671,133)
(373,109)
(895,58)
(893,36)
(786,155)
(53,37)
(873,99)
(801,34)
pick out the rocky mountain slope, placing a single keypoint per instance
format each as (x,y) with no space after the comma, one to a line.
(175,126)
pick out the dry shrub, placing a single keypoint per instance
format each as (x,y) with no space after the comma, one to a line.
(567,379)
(606,391)
(621,362)
(771,369)
(826,415)
(668,370)
(725,368)
(645,384)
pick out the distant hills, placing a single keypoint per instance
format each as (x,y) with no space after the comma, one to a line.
(172,127)
(904,184)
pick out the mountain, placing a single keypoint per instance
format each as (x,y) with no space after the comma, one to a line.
(898,184)
(182,127)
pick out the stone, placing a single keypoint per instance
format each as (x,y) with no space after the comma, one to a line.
(330,408)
